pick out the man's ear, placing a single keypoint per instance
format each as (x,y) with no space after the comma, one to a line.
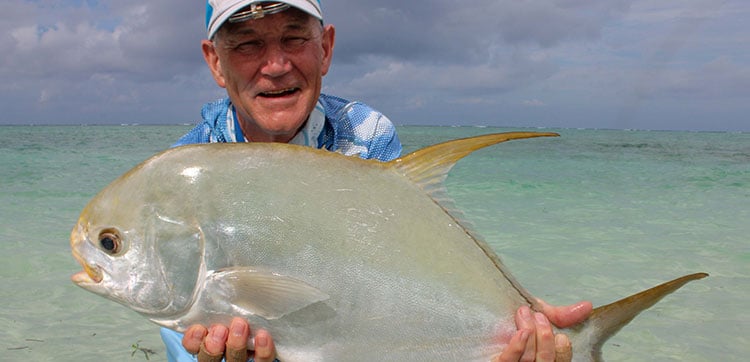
(212,60)
(329,39)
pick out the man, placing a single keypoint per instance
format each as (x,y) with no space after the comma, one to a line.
(271,58)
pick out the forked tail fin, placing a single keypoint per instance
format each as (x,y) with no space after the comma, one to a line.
(588,337)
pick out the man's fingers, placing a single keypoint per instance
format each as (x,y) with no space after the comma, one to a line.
(239,332)
(545,339)
(515,348)
(265,350)
(205,356)
(566,315)
(193,338)
(214,344)
(563,349)
(211,344)
(525,321)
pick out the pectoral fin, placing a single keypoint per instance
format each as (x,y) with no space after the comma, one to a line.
(261,293)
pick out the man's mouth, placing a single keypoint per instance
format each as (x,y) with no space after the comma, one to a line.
(279,93)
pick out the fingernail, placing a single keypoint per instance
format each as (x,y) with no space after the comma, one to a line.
(525,313)
(197,334)
(578,306)
(237,328)
(541,319)
(561,340)
(261,340)
(219,335)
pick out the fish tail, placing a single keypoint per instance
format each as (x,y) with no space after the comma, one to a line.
(588,337)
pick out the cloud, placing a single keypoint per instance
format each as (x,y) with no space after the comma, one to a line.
(99,61)
(533,103)
(147,40)
(593,63)
(440,31)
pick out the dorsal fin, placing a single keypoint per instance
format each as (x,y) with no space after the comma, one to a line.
(429,166)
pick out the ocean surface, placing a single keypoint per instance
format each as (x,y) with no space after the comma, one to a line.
(594,214)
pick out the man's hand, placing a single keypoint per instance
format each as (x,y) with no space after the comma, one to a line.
(535,341)
(231,343)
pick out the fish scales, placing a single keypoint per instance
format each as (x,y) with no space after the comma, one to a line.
(334,255)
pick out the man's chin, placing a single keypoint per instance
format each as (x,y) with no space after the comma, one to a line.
(276,127)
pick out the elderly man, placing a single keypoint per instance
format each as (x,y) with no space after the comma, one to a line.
(271,58)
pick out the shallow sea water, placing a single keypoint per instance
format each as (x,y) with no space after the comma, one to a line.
(594,214)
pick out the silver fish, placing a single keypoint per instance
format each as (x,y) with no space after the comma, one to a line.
(339,258)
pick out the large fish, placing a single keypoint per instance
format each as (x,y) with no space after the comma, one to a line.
(338,257)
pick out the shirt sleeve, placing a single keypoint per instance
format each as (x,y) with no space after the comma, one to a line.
(175,351)
(384,144)
(200,134)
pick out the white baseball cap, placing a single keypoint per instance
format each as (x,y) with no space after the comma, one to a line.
(219,11)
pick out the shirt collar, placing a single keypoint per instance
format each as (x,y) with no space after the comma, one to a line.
(308,135)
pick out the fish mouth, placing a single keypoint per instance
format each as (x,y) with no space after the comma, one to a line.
(90,275)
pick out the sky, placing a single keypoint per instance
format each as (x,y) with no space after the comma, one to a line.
(614,64)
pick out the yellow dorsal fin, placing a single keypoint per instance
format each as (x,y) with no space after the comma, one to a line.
(429,166)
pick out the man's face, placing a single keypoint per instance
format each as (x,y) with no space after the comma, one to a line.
(272,69)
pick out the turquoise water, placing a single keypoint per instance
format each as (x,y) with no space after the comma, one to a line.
(594,215)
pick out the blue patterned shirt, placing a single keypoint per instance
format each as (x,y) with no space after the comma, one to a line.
(352,128)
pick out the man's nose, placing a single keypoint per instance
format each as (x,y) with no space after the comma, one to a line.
(276,61)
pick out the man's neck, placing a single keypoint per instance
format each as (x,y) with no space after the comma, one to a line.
(253,133)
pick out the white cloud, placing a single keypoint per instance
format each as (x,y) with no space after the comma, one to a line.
(419,60)
(533,103)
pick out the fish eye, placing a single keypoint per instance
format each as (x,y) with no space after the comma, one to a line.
(110,242)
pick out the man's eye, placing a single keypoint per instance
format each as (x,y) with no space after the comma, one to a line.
(294,42)
(249,47)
